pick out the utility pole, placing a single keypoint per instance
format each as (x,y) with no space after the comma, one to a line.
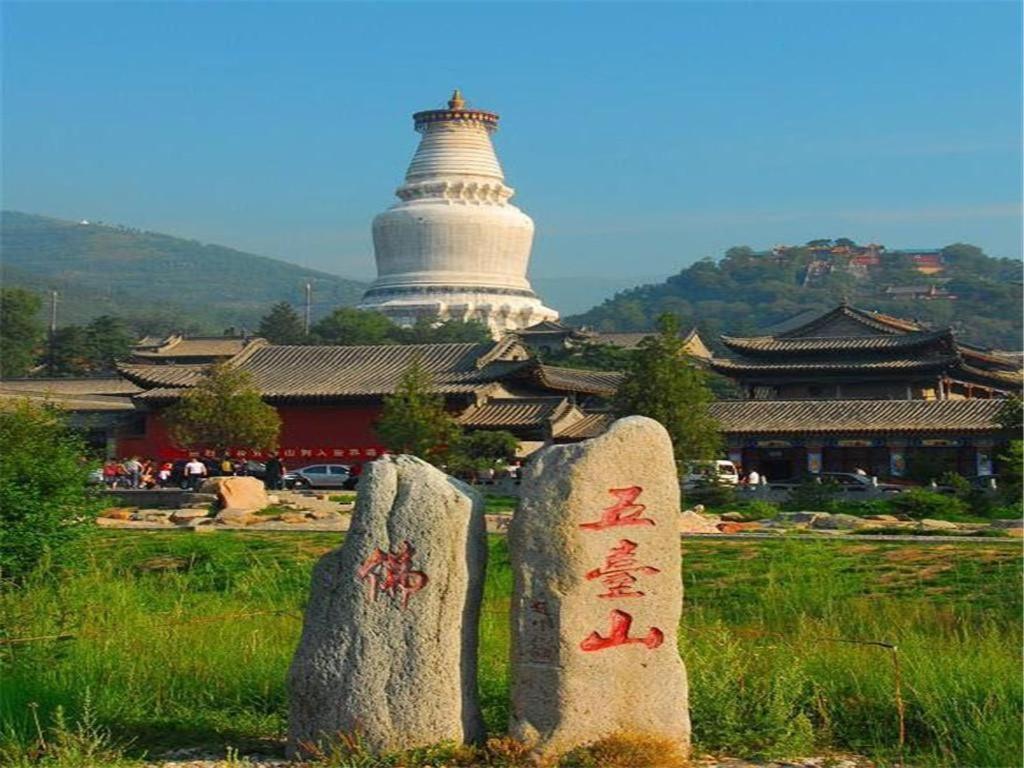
(309,304)
(53,328)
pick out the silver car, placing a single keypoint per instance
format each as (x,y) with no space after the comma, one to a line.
(321,476)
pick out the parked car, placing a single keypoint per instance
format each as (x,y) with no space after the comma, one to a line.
(321,476)
(848,482)
(699,473)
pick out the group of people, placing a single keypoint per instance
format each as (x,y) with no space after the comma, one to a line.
(134,472)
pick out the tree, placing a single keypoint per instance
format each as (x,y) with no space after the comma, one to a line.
(46,503)
(224,411)
(354,326)
(663,384)
(845,242)
(110,339)
(447,332)
(482,449)
(414,419)
(20,331)
(68,353)
(282,325)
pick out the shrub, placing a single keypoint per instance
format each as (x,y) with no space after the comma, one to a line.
(919,503)
(625,750)
(712,494)
(46,503)
(760,510)
(814,496)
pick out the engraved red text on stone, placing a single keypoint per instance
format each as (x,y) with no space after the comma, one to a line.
(623,512)
(620,571)
(619,635)
(391,573)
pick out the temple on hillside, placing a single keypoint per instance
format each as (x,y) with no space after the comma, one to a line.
(454,247)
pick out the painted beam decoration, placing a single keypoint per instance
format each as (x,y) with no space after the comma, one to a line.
(598,594)
(388,647)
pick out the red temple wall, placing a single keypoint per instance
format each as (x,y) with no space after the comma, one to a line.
(309,434)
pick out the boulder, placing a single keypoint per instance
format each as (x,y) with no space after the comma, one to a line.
(727,527)
(185,515)
(800,518)
(733,517)
(937,525)
(882,518)
(236,517)
(388,646)
(692,522)
(598,594)
(240,493)
(119,513)
(1011,523)
(293,517)
(838,522)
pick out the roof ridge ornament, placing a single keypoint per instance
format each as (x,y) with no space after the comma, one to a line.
(456,101)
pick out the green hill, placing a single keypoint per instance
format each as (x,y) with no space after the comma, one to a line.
(156,281)
(746,291)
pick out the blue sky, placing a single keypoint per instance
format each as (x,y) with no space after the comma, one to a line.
(639,137)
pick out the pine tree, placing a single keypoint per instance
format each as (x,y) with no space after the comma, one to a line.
(20,331)
(414,419)
(224,411)
(665,385)
(282,325)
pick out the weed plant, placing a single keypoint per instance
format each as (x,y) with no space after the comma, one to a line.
(160,640)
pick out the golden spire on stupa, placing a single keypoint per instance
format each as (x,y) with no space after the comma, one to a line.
(456,101)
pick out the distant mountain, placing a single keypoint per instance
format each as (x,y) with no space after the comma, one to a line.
(154,279)
(747,291)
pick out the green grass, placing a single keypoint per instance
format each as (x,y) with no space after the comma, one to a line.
(176,639)
(497,504)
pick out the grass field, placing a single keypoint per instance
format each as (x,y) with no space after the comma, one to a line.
(176,639)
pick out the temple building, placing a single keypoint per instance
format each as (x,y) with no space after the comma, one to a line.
(454,247)
(850,353)
(850,389)
(330,397)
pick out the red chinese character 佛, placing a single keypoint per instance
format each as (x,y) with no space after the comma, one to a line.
(623,512)
(620,570)
(619,635)
(391,573)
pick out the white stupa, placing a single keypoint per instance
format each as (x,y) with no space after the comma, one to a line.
(454,247)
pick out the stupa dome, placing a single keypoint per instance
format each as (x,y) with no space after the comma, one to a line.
(454,247)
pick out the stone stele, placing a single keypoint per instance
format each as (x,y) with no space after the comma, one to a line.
(388,647)
(598,592)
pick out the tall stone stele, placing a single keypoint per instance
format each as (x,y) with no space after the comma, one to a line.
(598,593)
(454,247)
(389,643)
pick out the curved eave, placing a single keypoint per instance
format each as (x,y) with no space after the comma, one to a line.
(776,345)
(727,366)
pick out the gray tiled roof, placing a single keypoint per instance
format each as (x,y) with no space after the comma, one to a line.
(817,416)
(109,385)
(727,365)
(591,425)
(773,344)
(578,380)
(331,371)
(515,412)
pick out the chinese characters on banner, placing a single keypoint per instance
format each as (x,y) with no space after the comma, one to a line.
(391,574)
(621,571)
(290,452)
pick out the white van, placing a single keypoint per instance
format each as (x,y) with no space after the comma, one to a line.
(721,471)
